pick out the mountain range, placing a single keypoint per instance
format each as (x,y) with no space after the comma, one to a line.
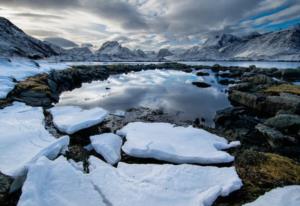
(279,45)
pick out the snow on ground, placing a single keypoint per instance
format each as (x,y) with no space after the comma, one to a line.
(164,141)
(70,119)
(161,185)
(58,183)
(23,138)
(109,146)
(19,69)
(284,196)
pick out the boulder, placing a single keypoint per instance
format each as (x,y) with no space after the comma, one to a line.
(284,121)
(201,84)
(284,101)
(252,101)
(275,138)
(5,183)
(202,74)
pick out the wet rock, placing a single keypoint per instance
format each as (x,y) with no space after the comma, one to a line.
(275,138)
(5,183)
(284,88)
(249,100)
(290,74)
(284,101)
(202,74)
(78,154)
(201,84)
(226,81)
(260,79)
(284,121)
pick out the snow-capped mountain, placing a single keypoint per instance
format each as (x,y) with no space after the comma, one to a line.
(14,42)
(112,50)
(76,54)
(164,53)
(280,45)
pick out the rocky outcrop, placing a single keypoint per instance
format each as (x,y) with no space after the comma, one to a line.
(14,42)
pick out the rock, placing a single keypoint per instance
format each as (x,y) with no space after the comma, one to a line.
(284,88)
(284,121)
(201,84)
(287,102)
(226,81)
(5,183)
(202,74)
(261,172)
(249,100)
(260,79)
(275,138)
(290,74)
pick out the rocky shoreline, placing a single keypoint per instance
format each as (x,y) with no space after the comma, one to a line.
(265,118)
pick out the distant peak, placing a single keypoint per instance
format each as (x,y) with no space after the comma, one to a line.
(110,44)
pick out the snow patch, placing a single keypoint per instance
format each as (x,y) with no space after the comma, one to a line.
(109,146)
(58,183)
(23,138)
(160,185)
(70,119)
(289,195)
(164,141)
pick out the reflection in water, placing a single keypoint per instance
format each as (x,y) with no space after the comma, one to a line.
(170,91)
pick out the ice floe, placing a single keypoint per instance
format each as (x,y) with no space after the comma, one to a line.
(58,183)
(70,119)
(164,141)
(284,196)
(23,138)
(109,146)
(161,185)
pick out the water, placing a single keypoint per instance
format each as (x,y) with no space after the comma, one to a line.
(170,91)
(261,64)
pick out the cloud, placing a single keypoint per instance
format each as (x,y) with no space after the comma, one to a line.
(147,23)
(35,15)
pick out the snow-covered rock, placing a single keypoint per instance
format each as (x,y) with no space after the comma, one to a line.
(285,196)
(279,45)
(161,185)
(6,85)
(109,146)
(58,183)
(70,119)
(164,141)
(14,42)
(23,138)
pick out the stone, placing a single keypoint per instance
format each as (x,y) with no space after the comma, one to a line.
(284,121)
(274,137)
(201,84)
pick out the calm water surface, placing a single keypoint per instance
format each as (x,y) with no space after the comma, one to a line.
(170,91)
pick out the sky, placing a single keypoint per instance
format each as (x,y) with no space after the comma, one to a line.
(148,24)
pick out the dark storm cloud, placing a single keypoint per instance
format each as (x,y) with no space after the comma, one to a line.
(41,4)
(120,11)
(40,16)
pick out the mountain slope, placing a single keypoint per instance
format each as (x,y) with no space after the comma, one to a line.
(14,42)
(280,45)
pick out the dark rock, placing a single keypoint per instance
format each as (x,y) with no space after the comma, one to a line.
(201,84)
(287,102)
(5,183)
(202,74)
(252,101)
(284,121)
(290,74)
(226,81)
(275,138)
